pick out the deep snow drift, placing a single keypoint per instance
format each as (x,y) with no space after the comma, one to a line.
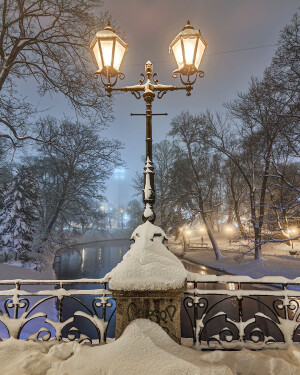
(148,265)
(143,349)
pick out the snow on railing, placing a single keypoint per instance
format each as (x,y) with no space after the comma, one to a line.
(235,312)
(69,310)
(224,312)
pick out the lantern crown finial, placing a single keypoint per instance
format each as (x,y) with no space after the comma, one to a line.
(188,26)
(108,27)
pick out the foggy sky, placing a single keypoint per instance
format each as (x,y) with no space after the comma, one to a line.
(226,25)
(150,26)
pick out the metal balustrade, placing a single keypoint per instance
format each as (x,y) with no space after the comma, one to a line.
(235,312)
(219,312)
(63,310)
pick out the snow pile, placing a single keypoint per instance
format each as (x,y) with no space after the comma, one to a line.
(148,265)
(143,349)
(267,362)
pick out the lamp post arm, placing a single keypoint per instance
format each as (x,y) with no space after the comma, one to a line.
(134,88)
(167,88)
(163,89)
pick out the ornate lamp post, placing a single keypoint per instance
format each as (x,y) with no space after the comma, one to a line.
(108,51)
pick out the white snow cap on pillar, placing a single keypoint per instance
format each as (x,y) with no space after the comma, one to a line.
(148,265)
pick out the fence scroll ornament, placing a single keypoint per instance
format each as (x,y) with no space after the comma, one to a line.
(82,314)
(233,314)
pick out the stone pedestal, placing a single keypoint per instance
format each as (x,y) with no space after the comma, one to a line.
(162,307)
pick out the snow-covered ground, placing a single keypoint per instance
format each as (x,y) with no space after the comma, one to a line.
(277,260)
(16,270)
(143,349)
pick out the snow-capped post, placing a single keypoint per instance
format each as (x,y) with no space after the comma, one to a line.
(150,281)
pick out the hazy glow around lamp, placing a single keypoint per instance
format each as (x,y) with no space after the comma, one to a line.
(188,48)
(108,51)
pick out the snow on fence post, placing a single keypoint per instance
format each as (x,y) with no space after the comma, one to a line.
(149,282)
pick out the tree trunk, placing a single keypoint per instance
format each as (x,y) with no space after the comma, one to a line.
(185,245)
(213,241)
(56,212)
(238,219)
(256,228)
(257,242)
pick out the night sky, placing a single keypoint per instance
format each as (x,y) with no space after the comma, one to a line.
(150,26)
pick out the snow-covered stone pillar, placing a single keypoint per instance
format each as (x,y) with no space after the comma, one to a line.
(149,282)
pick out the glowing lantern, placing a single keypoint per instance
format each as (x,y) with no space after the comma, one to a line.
(188,48)
(108,51)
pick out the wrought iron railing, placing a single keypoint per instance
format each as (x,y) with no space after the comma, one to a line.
(63,310)
(219,312)
(234,312)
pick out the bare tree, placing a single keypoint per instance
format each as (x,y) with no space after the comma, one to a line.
(164,158)
(284,75)
(196,164)
(248,140)
(46,44)
(71,173)
(235,194)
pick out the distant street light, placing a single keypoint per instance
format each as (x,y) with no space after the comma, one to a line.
(229,229)
(108,53)
(202,229)
(292,232)
(119,173)
(188,232)
(122,217)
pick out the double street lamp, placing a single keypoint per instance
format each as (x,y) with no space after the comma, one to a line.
(108,51)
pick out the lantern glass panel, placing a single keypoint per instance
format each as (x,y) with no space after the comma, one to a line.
(97,55)
(199,54)
(119,53)
(107,48)
(177,50)
(189,49)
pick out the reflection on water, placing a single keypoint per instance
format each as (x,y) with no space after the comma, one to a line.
(199,268)
(90,260)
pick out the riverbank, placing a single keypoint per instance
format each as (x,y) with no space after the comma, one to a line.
(18,270)
(270,265)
